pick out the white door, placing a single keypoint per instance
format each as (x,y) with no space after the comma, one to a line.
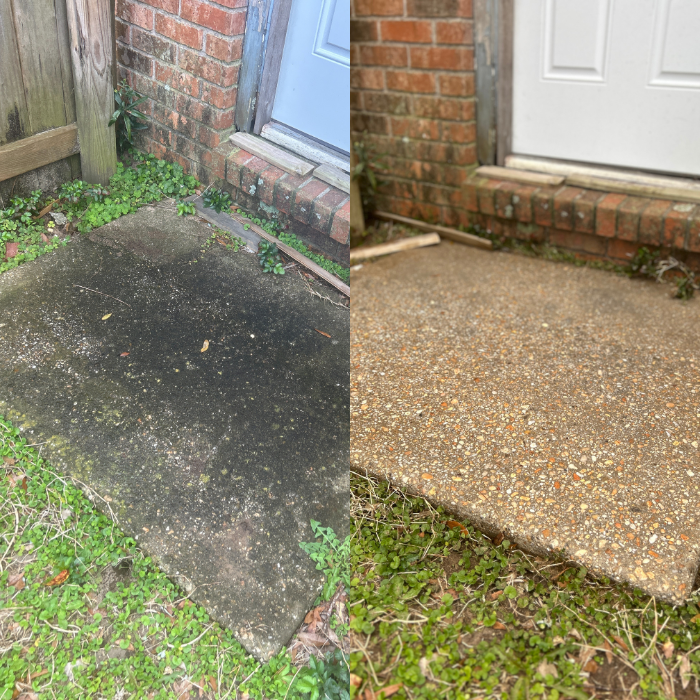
(615,82)
(313,90)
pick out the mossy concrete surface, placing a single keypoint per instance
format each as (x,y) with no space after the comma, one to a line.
(558,405)
(215,459)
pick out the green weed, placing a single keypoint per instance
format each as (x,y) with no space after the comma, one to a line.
(216,199)
(139,637)
(331,556)
(269,258)
(125,115)
(442,611)
(146,180)
(325,679)
(292,241)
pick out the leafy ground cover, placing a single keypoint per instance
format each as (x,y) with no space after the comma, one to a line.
(439,610)
(29,226)
(85,614)
(292,241)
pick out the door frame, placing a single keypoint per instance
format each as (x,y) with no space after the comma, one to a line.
(493,45)
(263,45)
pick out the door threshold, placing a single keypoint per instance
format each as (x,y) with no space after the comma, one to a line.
(608,179)
(305,146)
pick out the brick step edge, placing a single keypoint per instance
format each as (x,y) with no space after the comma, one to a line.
(316,212)
(602,224)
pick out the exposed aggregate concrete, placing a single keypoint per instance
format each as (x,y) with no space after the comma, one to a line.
(559,405)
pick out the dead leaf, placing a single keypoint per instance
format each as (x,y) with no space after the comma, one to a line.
(12,460)
(45,238)
(15,479)
(452,524)
(11,248)
(312,639)
(389,690)
(106,316)
(212,683)
(545,669)
(124,354)
(27,696)
(496,594)
(16,580)
(205,346)
(23,485)
(685,671)
(608,651)
(167,671)
(498,539)
(621,642)
(591,667)
(59,579)
(355,681)
(499,626)
(322,333)
(668,647)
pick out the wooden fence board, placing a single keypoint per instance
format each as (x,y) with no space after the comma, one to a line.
(91,53)
(27,154)
(66,66)
(14,120)
(40,57)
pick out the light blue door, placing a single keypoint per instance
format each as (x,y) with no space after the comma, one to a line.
(313,90)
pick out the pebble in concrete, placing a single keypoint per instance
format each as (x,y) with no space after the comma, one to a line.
(559,405)
(215,455)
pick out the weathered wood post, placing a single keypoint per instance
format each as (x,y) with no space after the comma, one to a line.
(91,52)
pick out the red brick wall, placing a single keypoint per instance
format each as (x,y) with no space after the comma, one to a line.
(412,92)
(185,56)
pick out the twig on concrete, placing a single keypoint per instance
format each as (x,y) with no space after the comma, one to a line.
(103,294)
(320,296)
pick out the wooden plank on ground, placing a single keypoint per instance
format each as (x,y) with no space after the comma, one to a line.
(524,176)
(272,154)
(40,56)
(333,176)
(91,40)
(296,255)
(14,119)
(41,149)
(444,231)
(375,251)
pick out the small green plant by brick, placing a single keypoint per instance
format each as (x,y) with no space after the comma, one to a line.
(216,199)
(125,116)
(325,679)
(272,227)
(269,258)
(643,263)
(331,556)
(185,208)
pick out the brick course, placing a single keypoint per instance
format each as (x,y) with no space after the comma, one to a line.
(185,56)
(412,99)
(308,207)
(591,222)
